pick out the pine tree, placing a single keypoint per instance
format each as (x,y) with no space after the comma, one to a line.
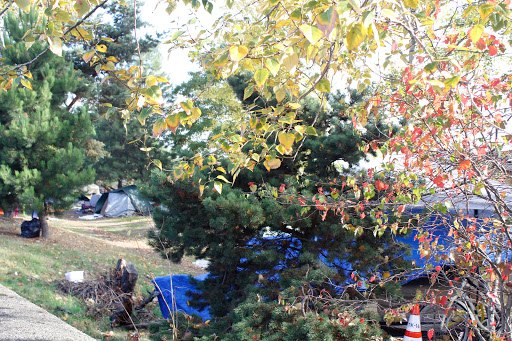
(122,138)
(42,145)
(227,229)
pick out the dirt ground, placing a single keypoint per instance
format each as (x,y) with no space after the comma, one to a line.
(94,237)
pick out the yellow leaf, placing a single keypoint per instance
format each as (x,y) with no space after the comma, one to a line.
(26,83)
(312,33)
(476,33)
(411,3)
(201,190)
(386,274)
(261,76)
(151,80)
(55,45)
(280,94)
(291,62)
(173,121)
(272,164)
(158,163)
(218,186)
(112,59)
(238,52)
(101,48)
(324,85)
(286,140)
(221,177)
(23,4)
(356,36)
(187,106)
(355,5)
(485,10)
(195,113)
(88,56)
(272,65)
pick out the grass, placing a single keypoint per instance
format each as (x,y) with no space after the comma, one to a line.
(33,267)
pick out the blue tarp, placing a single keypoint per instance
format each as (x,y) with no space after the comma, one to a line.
(173,295)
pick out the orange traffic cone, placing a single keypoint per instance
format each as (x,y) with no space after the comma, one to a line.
(413,331)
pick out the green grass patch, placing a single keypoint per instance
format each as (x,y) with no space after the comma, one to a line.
(33,268)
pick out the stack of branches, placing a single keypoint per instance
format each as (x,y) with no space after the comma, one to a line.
(101,294)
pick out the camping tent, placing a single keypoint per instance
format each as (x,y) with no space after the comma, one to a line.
(121,202)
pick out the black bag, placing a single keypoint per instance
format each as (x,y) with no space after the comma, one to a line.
(31,229)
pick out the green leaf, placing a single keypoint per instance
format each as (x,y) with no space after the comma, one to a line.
(356,36)
(248,91)
(272,65)
(187,105)
(452,82)
(82,7)
(476,33)
(367,18)
(222,60)
(176,35)
(296,15)
(144,114)
(431,66)
(218,186)
(311,131)
(261,76)
(311,33)
(327,20)
(355,5)
(154,93)
(288,119)
(158,163)
(237,53)
(485,10)
(324,85)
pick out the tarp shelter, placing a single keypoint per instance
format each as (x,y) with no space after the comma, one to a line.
(122,202)
(174,295)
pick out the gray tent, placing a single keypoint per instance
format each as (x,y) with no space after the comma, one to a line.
(122,202)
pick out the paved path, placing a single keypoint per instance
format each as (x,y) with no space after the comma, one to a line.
(21,320)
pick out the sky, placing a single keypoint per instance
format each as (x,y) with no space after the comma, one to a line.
(176,64)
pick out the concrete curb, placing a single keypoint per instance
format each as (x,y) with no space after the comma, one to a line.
(21,320)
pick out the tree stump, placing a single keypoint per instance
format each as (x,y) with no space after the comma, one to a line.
(126,277)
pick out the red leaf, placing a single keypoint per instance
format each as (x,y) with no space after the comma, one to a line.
(438,268)
(430,334)
(493,50)
(381,186)
(438,180)
(282,188)
(481,150)
(464,165)
(481,44)
(401,209)
(444,300)
(416,133)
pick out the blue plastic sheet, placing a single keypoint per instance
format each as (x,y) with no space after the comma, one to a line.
(174,295)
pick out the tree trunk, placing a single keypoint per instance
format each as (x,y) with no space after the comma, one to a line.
(45,231)
(119,183)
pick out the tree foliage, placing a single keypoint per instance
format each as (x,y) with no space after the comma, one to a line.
(42,145)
